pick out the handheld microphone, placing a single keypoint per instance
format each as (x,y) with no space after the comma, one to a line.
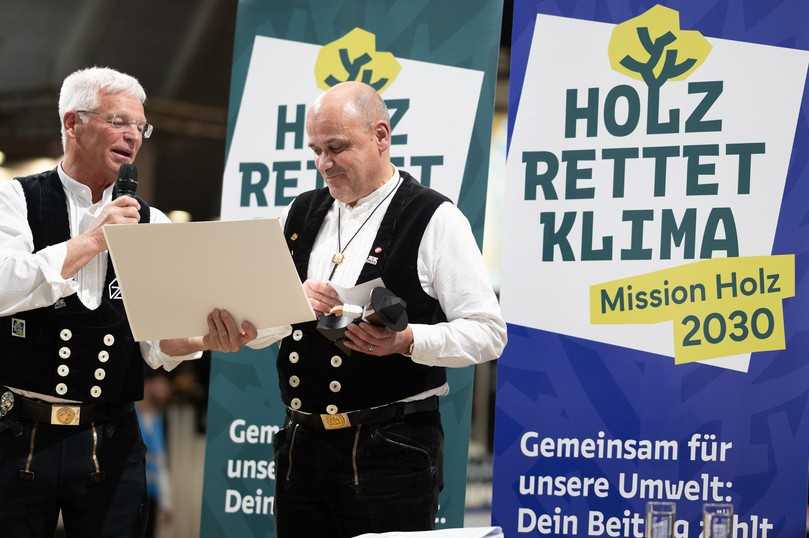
(127,182)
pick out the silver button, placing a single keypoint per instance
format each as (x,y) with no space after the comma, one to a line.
(100,374)
(336,361)
(295,403)
(335,386)
(66,334)
(63,370)
(95,392)
(331,409)
(294,381)
(61,389)
(103,356)
(109,340)
(294,357)
(297,334)
(64,352)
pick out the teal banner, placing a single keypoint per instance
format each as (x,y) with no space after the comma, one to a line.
(435,65)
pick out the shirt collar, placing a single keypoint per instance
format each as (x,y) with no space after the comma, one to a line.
(376,196)
(79,190)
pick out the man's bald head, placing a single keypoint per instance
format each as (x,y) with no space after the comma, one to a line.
(355,99)
(349,131)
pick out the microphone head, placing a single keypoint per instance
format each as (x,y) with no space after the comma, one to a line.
(127,182)
(128,171)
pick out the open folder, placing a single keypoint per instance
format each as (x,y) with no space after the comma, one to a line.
(172,275)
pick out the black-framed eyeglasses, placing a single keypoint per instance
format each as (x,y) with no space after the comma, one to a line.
(119,124)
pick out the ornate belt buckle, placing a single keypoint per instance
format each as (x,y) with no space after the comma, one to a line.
(65,415)
(335,422)
(6,403)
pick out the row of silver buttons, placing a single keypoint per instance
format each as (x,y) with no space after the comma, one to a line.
(67,334)
(103,355)
(296,403)
(64,370)
(294,381)
(61,390)
(336,361)
(334,386)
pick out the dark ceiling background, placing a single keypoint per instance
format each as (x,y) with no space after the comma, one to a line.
(180,50)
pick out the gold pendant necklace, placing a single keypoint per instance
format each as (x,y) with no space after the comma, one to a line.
(338,256)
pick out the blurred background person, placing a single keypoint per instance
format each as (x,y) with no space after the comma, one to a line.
(157,394)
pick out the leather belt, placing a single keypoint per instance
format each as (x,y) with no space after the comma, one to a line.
(26,409)
(373,415)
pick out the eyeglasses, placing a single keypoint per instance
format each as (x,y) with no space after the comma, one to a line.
(119,124)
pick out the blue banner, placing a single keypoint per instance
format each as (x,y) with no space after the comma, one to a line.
(656,249)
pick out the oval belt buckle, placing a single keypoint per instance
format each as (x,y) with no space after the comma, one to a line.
(6,403)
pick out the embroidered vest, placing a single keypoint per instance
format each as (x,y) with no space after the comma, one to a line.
(314,375)
(65,349)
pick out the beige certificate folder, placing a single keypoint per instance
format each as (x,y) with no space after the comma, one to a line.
(172,275)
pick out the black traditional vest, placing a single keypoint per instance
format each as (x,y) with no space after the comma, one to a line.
(64,349)
(314,375)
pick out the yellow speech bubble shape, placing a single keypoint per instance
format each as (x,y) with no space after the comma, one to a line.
(652,47)
(354,57)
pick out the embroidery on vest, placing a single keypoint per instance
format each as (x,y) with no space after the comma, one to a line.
(18,327)
(115,290)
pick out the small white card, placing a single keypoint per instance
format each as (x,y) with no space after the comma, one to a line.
(360,294)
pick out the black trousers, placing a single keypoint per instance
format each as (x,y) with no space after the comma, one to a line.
(368,478)
(109,505)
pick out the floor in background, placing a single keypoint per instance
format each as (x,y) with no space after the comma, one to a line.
(186,463)
(478,487)
(477,518)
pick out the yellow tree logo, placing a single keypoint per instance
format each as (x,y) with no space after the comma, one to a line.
(651,47)
(354,57)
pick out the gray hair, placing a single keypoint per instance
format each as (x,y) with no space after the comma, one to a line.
(372,107)
(81,89)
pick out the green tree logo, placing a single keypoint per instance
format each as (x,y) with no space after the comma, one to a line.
(354,68)
(652,48)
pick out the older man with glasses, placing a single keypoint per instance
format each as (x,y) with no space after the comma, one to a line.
(71,370)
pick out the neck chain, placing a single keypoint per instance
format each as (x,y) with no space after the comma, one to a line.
(338,257)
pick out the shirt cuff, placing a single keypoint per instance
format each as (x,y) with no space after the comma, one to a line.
(433,345)
(155,357)
(54,260)
(267,337)
(425,348)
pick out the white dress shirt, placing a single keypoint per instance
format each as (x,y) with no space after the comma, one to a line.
(450,269)
(30,280)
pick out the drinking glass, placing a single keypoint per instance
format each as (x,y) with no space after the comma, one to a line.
(660,519)
(717,520)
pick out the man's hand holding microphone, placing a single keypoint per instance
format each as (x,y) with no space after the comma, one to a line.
(124,209)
